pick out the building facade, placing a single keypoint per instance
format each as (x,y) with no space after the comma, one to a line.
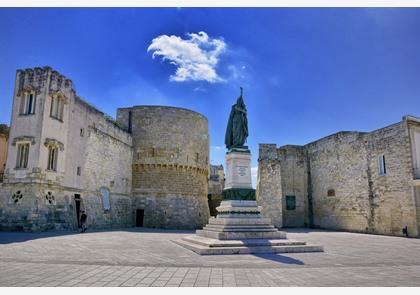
(148,167)
(354,181)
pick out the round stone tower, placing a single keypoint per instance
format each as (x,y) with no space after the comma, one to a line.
(170,166)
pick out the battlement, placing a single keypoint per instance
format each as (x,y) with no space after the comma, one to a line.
(35,79)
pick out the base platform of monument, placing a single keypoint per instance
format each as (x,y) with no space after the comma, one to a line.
(240,229)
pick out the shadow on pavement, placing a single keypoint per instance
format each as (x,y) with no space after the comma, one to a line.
(280,258)
(19,236)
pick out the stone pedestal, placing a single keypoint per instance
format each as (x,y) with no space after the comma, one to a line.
(238,169)
(238,184)
(239,227)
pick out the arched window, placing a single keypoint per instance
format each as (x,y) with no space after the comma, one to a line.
(105,198)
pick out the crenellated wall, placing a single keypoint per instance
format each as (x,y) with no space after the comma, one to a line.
(170,165)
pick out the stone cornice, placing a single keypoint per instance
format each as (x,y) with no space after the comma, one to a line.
(23,138)
(178,167)
(58,94)
(29,89)
(54,143)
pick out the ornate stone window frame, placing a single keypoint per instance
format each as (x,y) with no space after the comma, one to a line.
(54,143)
(58,100)
(51,143)
(22,140)
(26,109)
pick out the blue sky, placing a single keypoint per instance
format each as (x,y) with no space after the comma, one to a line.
(306,73)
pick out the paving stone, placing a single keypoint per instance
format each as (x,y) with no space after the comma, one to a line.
(349,260)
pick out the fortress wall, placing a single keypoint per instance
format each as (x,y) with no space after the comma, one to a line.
(269,188)
(346,189)
(170,166)
(339,180)
(392,200)
(294,183)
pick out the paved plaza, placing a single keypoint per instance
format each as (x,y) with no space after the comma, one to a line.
(147,257)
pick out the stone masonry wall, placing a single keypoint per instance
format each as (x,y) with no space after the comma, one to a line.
(414,133)
(94,153)
(170,166)
(294,183)
(347,191)
(391,200)
(340,181)
(269,189)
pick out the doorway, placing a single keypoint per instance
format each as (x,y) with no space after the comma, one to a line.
(139,217)
(77,201)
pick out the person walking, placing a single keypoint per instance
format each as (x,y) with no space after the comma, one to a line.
(83,219)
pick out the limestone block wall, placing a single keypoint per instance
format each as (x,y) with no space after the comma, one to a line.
(35,207)
(392,200)
(170,166)
(344,187)
(414,136)
(294,183)
(340,181)
(94,153)
(269,189)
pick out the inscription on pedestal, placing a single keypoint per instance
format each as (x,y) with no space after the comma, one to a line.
(238,170)
(242,170)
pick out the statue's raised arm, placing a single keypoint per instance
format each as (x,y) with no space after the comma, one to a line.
(237,128)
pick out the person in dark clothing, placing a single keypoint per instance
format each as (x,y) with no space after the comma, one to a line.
(83,219)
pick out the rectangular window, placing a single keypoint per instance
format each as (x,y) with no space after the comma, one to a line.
(290,202)
(27,104)
(382,166)
(52,158)
(22,155)
(82,132)
(79,170)
(57,108)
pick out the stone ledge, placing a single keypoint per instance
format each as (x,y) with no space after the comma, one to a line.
(202,249)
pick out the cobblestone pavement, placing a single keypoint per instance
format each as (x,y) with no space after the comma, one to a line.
(146,257)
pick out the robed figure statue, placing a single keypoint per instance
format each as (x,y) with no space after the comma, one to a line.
(237,128)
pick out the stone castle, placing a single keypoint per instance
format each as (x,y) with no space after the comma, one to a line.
(147,168)
(150,167)
(353,181)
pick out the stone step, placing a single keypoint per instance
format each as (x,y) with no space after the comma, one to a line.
(240,243)
(204,250)
(241,235)
(240,228)
(240,221)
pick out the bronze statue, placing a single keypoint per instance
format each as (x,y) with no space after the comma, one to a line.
(237,128)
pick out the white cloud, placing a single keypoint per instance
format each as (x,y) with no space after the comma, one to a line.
(254,175)
(196,58)
(217,147)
